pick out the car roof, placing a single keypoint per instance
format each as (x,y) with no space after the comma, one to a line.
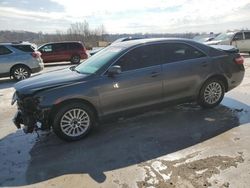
(63,42)
(131,43)
(15,43)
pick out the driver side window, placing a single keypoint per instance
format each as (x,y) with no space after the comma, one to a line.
(4,50)
(47,48)
(238,36)
(141,57)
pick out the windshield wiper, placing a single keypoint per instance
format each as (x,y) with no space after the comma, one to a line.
(73,68)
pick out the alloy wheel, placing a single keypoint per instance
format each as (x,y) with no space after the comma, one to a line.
(75,122)
(212,93)
(21,73)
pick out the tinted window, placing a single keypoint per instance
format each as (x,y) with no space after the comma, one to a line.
(238,36)
(73,46)
(177,52)
(247,35)
(24,48)
(59,47)
(140,57)
(4,50)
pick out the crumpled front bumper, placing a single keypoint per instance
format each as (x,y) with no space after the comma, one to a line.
(17,120)
(28,122)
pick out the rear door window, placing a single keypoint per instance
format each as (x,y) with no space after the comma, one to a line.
(59,47)
(24,48)
(141,57)
(74,46)
(4,50)
(172,52)
(247,35)
(238,36)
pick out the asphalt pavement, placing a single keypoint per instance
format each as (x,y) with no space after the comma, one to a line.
(179,146)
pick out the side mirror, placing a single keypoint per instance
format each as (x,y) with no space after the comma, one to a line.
(114,70)
(72,67)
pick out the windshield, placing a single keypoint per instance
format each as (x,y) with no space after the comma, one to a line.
(224,36)
(94,63)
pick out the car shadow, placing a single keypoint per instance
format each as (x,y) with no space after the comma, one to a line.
(120,144)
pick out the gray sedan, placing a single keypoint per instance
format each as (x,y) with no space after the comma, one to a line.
(123,77)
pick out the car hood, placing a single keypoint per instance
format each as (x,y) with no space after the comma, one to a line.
(48,80)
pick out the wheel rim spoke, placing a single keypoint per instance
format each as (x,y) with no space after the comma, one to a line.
(21,73)
(75,122)
(212,93)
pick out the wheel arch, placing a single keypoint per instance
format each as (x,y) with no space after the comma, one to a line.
(56,107)
(219,77)
(19,64)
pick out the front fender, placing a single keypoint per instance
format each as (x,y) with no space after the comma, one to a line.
(55,96)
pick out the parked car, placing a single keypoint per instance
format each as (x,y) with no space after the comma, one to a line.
(124,77)
(204,38)
(63,51)
(239,39)
(95,50)
(124,39)
(19,60)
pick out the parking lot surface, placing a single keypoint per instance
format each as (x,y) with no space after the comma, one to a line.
(179,146)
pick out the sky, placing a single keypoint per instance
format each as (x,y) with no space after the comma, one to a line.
(126,16)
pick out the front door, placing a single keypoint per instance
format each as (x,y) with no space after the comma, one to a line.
(47,53)
(138,85)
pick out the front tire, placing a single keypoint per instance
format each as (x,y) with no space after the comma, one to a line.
(20,72)
(73,121)
(211,93)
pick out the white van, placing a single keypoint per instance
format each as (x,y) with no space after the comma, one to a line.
(239,39)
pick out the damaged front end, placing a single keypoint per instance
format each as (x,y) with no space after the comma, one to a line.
(29,114)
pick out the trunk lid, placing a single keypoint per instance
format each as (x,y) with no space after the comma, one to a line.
(226,48)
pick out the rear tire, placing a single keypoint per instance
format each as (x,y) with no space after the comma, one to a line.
(73,121)
(211,93)
(20,72)
(75,59)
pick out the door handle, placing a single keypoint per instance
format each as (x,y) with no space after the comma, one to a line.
(155,74)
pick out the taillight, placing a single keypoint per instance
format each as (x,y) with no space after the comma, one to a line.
(239,60)
(36,54)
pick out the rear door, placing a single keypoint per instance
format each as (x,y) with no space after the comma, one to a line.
(6,60)
(139,84)
(60,52)
(184,67)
